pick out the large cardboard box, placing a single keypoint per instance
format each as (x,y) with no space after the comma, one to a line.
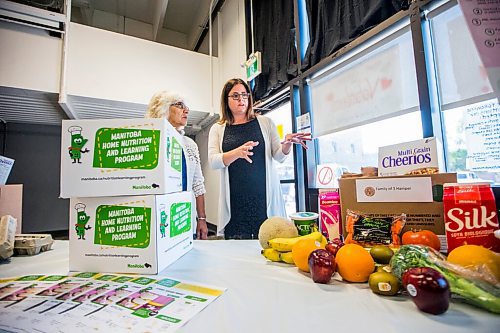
(11,203)
(419,197)
(112,157)
(133,234)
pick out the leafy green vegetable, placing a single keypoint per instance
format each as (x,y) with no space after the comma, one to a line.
(463,282)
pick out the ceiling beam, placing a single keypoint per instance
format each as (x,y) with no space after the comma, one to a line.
(159,17)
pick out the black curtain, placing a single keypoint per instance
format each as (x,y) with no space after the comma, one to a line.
(274,37)
(334,23)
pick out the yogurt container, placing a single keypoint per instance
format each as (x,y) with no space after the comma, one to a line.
(304,221)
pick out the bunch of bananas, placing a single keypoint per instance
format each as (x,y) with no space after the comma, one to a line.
(281,248)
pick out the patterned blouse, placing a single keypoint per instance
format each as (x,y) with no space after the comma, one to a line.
(195,176)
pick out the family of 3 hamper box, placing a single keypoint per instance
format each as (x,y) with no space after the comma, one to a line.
(112,157)
(130,234)
(419,197)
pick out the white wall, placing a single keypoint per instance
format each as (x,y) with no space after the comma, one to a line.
(107,65)
(232,40)
(29,58)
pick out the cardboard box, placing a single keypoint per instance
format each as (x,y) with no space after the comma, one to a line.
(112,157)
(414,157)
(11,203)
(133,234)
(419,215)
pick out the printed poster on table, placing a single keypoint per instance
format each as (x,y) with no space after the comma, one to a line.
(96,302)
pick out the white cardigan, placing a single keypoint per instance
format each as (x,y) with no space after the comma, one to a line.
(275,202)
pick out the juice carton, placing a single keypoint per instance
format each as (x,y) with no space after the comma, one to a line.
(329,214)
(470,215)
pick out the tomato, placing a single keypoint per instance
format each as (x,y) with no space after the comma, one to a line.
(421,237)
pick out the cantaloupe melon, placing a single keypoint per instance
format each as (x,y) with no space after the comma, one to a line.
(274,227)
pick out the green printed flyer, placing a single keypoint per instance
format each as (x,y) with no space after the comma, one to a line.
(123,226)
(122,148)
(180,218)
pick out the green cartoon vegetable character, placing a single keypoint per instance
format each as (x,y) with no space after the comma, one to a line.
(77,143)
(163,220)
(82,219)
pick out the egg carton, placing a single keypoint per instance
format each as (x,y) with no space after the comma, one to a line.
(31,244)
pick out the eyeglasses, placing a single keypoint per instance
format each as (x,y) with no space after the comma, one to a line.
(180,105)
(236,96)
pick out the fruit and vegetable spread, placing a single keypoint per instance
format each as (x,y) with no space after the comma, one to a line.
(415,270)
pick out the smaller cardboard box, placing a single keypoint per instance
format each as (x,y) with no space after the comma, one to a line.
(132,234)
(11,203)
(419,197)
(113,157)
(410,158)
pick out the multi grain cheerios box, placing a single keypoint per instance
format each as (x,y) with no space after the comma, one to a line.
(130,234)
(410,158)
(112,157)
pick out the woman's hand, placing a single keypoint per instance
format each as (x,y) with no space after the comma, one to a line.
(297,138)
(201,228)
(245,150)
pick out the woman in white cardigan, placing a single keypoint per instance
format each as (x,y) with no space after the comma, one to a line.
(244,146)
(171,106)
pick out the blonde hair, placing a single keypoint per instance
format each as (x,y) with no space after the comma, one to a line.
(159,106)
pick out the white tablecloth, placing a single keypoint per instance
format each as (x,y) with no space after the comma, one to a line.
(266,297)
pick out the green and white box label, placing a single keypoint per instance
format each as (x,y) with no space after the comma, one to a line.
(123,226)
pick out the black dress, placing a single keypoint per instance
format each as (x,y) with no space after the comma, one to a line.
(247,182)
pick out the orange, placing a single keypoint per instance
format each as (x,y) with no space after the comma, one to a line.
(301,251)
(476,257)
(354,263)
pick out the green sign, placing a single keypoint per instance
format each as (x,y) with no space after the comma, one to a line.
(122,148)
(123,226)
(180,218)
(253,66)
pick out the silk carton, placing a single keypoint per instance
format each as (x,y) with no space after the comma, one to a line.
(113,157)
(470,215)
(131,234)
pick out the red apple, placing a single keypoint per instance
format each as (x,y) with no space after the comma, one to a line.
(428,289)
(321,265)
(334,245)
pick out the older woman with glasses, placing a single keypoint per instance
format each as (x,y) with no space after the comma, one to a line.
(171,106)
(244,146)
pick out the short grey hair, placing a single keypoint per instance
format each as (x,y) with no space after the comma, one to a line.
(160,103)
